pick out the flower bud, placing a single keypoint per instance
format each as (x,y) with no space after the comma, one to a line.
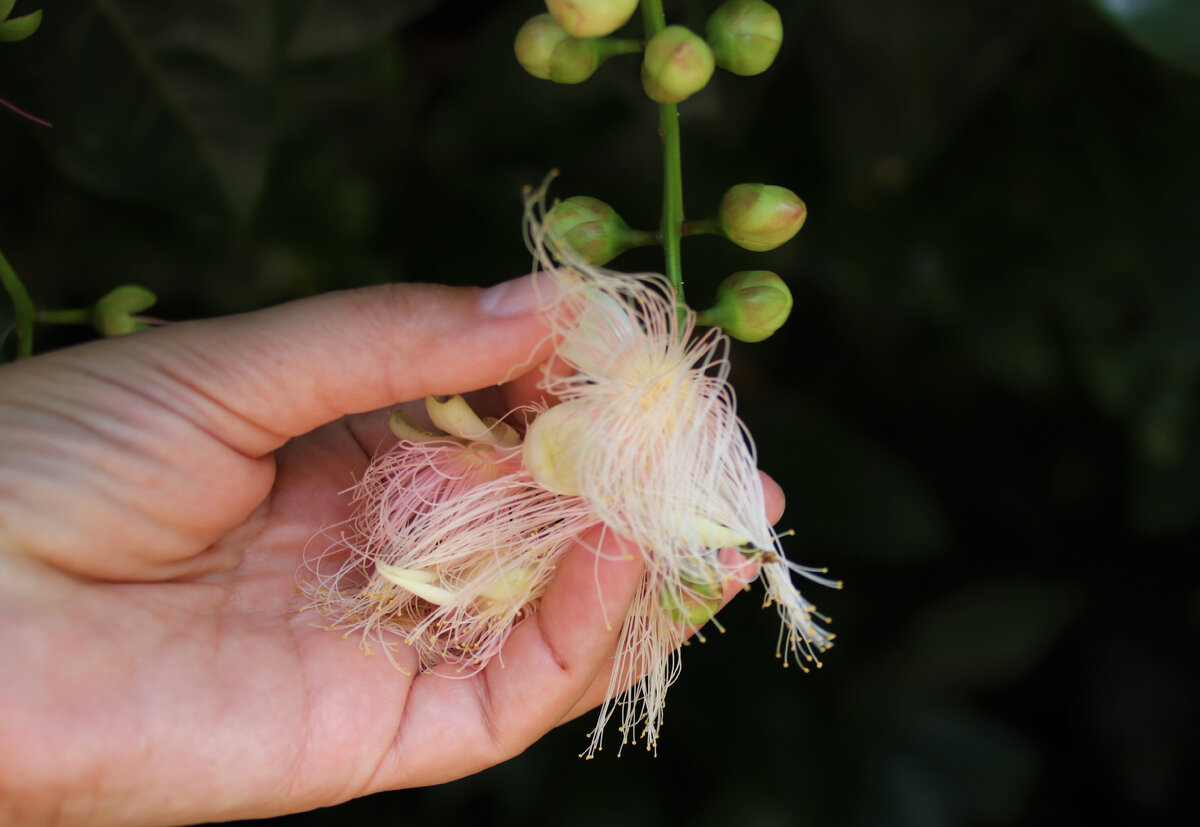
(112,314)
(745,35)
(760,216)
(751,305)
(591,18)
(550,453)
(677,64)
(536,42)
(592,229)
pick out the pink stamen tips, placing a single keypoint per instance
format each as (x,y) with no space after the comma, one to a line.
(451,545)
(25,114)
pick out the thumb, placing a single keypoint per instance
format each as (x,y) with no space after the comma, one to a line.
(108,446)
(280,372)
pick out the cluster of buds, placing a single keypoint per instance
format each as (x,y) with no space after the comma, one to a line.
(750,305)
(570,41)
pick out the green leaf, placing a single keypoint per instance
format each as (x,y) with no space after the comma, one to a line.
(180,106)
(164,105)
(18,28)
(974,769)
(984,635)
(844,489)
(329,28)
(913,79)
(1168,29)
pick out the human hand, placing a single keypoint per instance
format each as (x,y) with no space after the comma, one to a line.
(156,496)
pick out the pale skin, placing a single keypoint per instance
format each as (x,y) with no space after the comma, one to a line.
(157,493)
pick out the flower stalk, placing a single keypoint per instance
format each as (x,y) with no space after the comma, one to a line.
(672,200)
(23,310)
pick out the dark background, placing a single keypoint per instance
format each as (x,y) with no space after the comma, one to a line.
(983,410)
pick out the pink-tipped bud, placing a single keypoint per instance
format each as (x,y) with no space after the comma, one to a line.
(536,42)
(591,18)
(751,305)
(745,35)
(112,315)
(760,216)
(677,64)
(592,229)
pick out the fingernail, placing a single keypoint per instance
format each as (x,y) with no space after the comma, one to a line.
(518,297)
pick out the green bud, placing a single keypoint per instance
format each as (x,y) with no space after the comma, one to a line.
(745,35)
(591,18)
(695,606)
(592,229)
(678,64)
(536,42)
(760,216)
(575,60)
(751,305)
(18,28)
(546,50)
(112,314)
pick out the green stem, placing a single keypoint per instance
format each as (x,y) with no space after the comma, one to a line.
(672,209)
(74,315)
(613,46)
(22,308)
(702,226)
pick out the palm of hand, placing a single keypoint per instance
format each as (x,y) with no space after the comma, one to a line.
(165,672)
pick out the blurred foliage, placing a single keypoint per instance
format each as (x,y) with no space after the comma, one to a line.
(984,407)
(1167,28)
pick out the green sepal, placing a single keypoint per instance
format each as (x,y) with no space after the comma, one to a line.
(694,607)
(575,60)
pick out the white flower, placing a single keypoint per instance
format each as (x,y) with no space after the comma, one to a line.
(451,544)
(647,435)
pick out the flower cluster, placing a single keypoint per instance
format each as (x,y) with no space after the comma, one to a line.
(457,535)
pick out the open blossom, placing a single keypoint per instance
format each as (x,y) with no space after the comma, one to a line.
(452,543)
(456,534)
(647,435)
